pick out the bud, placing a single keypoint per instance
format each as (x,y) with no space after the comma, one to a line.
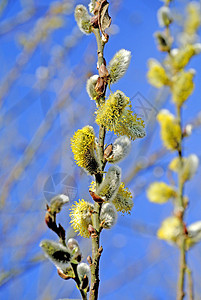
(82,18)
(197,48)
(68,273)
(105,37)
(120,150)
(57,253)
(110,185)
(162,41)
(91,83)
(164,16)
(95,197)
(108,151)
(190,167)
(83,269)
(119,65)
(74,247)
(194,234)
(57,202)
(188,130)
(89,260)
(160,192)
(108,215)
(103,72)
(92,231)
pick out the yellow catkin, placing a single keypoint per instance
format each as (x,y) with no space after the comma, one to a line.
(81,217)
(109,113)
(160,192)
(83,144)
(157,75)
(182,87)
(169,230)
(175,164)
(193,20)
(183,56)
(123,200)
(116,115)
(170,130)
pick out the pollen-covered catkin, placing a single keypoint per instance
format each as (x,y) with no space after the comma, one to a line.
(83,144)
(181,57)
(157,75)
(81,217)
(170,229)
(131,125)
(108,114)
(116,115)
(170,130)
(160,192)
(123,200)
(182,87)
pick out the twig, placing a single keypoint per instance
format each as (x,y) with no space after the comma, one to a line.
(96,250)
(180,292)
(190,283)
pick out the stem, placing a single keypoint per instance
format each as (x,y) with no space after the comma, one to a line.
(183,255)
(182,268)
(95,238)
(190,283)
(100,46)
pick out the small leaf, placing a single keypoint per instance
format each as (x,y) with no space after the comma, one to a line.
(100,86)
(108,151)
(103,72)
(104,18)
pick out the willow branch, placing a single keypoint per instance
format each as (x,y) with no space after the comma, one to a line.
(95,238)
(190,284)
(182,269)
